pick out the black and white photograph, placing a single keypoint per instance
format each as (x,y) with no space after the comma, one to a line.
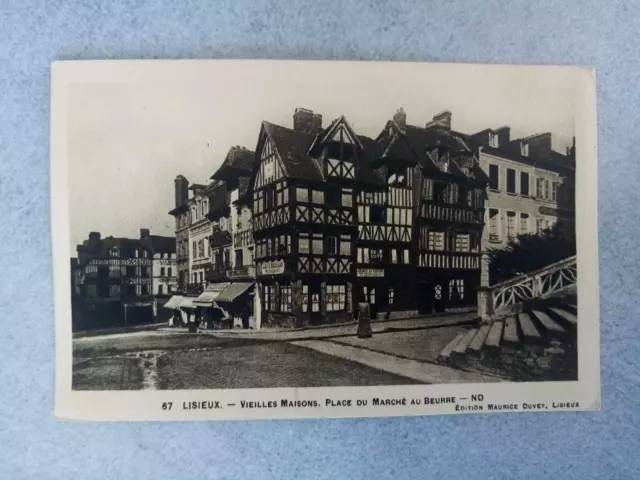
(273,239)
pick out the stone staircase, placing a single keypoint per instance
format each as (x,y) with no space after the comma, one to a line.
(536,343)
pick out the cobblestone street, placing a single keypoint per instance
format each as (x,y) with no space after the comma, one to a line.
(174,359)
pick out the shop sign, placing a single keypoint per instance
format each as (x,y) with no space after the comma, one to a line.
(548,211)
(370,272)
(274,267)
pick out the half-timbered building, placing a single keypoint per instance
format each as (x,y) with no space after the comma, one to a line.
(448,198)
(384,261)
(303,189)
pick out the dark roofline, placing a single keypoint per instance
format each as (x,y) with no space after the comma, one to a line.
(178,210)
(543,163)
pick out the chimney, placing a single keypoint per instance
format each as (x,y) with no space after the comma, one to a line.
(306,121)
(504,136)
(144,232)
(571,149)
(443,119)
(94,237)
(539,145)
(400,118)
(182,190)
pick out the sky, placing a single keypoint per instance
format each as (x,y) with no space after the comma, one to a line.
(134,126)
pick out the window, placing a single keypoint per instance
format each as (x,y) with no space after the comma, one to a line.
(238,259)
(554,191)
(131,271)
(524,149)
(391,296)
(375,255)
(524,223)
(315,301)
(493,140)
(394,255)
(317,196)
(267,296)
(302,194)
(169,273)
(524,183)
(194,249)
(347,198)
(316,244)
(462,242)
(227,261)
(285,298)
(162,271)
(160,289)
(303,243)
(456,289)
(406,256)
(363,255)
(494,233)
(336,297)
(511,224)
(332,246)
(304,298)
(545,191)
(511,180)
(146,271)
(494,177)
(345,245)
(436,241)
(144,289)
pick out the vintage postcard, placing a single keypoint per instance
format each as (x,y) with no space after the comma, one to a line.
(289,239)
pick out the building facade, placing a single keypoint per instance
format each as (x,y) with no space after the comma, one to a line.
(121,272)
(182,216)
(531,187)
(442,175)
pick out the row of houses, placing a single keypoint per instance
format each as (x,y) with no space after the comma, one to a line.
(122,280)
(319,218)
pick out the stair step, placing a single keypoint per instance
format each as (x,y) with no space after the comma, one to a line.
(548,323)
(446,351)
(568,316)
(478,341)
(462,345)
(495,334)
(511,332)
(529,330)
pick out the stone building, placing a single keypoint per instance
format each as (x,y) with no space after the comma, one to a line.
(531,188)
(120,271)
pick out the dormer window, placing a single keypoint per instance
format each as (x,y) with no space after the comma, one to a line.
(524,149)
(493,140)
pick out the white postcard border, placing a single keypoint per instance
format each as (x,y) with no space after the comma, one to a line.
(148,405)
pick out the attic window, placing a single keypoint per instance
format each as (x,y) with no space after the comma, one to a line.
(524,149)
(493,140)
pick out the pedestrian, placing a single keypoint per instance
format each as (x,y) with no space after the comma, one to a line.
(245,318)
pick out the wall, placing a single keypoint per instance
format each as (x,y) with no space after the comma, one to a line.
(165,273)
(518,203)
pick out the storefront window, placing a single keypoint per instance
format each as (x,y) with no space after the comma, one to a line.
(305,298)
(336,297)
(285,298)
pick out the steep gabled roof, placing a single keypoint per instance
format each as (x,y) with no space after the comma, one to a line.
(292,148)
(239,160)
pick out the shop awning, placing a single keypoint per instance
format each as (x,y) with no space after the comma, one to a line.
(210,294)
(188,302)
(174,302)
(233,291)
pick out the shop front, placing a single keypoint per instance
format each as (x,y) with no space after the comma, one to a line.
(210,313)
(238,299)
